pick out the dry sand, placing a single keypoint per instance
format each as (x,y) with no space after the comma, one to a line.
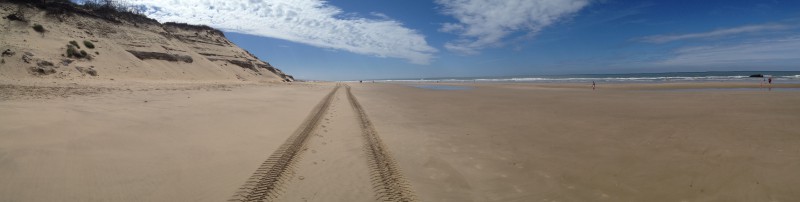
(334,166)
(171,144)
(496,142)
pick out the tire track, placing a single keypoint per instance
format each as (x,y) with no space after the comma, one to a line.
(264,183)
(386,177)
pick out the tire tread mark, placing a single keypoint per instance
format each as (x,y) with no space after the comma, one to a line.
(387,179)
(264,184)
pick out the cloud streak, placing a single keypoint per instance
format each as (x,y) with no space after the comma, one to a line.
(486,23)
(783,50)
(715,33)
(312,22)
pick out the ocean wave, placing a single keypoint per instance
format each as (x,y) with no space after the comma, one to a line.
(661,78)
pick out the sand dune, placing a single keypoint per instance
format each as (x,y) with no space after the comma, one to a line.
(126,48)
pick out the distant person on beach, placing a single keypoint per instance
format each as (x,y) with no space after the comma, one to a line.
(593,85)
(770,80)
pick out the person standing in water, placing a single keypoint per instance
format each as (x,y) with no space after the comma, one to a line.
(593,85)
(770,83)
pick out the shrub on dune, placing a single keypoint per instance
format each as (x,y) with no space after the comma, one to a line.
(39,28)
(88,44)
(75,43)
(71,51)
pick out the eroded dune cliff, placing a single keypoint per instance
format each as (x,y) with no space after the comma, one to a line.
(60,40)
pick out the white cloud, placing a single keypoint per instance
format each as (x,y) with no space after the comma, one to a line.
(485,23)
(748,53)
(715,33)
(312,22)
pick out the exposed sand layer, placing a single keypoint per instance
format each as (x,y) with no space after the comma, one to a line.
(493,142)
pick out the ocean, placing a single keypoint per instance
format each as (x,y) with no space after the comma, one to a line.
(716,76)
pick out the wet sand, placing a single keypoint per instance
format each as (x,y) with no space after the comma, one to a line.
(546,142)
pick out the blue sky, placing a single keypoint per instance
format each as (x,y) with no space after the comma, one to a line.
(368,39)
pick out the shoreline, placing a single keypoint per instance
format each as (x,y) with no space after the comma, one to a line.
(29,88)
(616,86)
(663,77)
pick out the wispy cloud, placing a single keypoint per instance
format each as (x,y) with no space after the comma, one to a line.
(783,50)
(380,15)
(312,22)
(486,23)
(715,33)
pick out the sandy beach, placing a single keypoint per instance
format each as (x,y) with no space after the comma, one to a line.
(529,142)
(149,143)
(492,142)
(469,100)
